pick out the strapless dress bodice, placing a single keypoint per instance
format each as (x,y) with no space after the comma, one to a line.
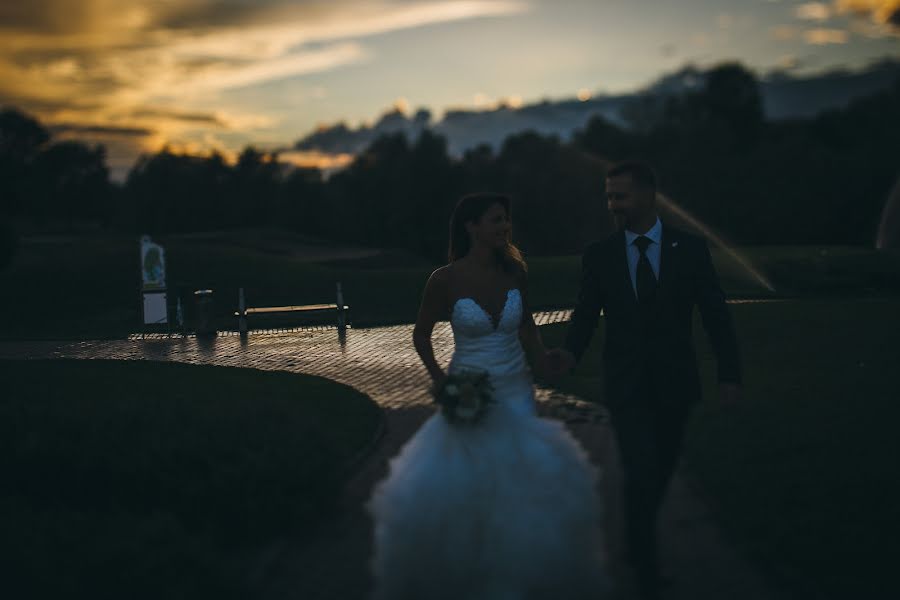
(485,345)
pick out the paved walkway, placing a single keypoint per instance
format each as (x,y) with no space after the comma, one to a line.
(382,363)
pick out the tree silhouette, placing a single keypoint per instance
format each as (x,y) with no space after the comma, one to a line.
(8,244)
(731,99)
(556,188)
(173,192)
(70,181)
(21,138)
(602,137)
(302,205)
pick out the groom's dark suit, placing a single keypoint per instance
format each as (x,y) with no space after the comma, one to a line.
(650,369)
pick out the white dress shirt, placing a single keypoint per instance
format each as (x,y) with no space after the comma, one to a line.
(653,251)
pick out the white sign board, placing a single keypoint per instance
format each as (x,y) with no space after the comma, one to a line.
(155,308)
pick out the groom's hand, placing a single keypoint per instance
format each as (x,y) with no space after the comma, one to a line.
(560,361)
(729,394)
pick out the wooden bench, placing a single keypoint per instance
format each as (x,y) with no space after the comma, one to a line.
(341,312)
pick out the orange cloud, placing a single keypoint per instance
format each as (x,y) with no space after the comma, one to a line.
(783,32)
(821,37)
(813,11)
(885,13)
(881,11)
(320,160)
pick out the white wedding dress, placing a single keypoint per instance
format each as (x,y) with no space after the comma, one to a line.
(505,509)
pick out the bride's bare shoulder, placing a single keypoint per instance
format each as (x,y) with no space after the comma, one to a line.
(441,278)
(441,274)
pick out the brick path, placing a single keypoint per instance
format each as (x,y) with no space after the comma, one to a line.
(382,363)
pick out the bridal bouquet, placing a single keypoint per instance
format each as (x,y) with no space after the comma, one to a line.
(464,396)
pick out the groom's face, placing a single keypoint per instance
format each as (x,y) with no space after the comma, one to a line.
(627,202)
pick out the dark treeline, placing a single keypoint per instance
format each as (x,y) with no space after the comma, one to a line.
(820,180)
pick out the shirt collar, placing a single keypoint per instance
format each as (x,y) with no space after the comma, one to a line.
(654,234)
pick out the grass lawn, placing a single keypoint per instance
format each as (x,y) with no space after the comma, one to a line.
(134,479)
(87,286)
(803,476)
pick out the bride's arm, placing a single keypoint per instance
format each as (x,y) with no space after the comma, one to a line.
(432,309)
(529,332)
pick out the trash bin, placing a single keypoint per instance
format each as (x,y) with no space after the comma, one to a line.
(204,309)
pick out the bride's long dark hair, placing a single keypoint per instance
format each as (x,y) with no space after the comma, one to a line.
(469,209)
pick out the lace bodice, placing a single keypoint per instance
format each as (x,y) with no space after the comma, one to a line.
(482,344)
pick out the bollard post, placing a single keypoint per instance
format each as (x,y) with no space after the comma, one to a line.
(179,316)
(242,313)
(342,318)
(206,326)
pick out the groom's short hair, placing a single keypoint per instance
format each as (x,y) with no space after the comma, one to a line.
(641,173)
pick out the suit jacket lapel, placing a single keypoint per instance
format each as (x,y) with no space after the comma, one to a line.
(668,247)
(623,274)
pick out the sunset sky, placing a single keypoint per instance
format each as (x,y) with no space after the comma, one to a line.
(203,74)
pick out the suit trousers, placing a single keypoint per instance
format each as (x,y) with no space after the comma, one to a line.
(649,428)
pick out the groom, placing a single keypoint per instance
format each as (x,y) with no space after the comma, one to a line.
(647,278)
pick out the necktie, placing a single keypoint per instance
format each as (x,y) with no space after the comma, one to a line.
(646,280)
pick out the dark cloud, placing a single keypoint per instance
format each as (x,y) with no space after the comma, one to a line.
(206,14)
(198,64)
(48,105)
(198,14)
(78,16)
(39,16)
(64,128)
(198,118)
(894,18)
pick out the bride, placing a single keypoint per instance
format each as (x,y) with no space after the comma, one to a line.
(506,508)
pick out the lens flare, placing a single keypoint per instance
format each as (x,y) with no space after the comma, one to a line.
(669,205)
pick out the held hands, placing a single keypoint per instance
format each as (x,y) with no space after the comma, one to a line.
(558,362)
(437,379)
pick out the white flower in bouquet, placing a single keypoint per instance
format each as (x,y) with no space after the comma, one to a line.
(464,396)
